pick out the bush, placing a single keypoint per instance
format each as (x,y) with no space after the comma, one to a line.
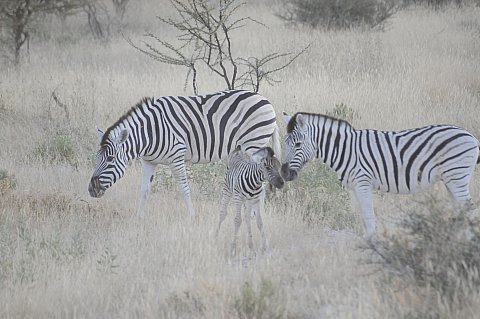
(204,179)
(260,302)
(59,149)
(7,182)
(343,112)
(435,250)
(334,14)
(435,4)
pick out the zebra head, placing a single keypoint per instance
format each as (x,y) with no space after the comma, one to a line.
(299,145)
(270,165)
(111,161)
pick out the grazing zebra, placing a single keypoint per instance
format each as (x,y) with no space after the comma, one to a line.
(172,130)
(244,183)
(402,162)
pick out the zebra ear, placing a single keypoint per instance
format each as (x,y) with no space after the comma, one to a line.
(99,133)
(259,155)
(286,117)
(122,137)
(301,121)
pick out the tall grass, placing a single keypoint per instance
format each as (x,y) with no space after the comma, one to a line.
(64,254)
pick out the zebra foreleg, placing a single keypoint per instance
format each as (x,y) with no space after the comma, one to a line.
(180,173)
(148,171)
(364,197)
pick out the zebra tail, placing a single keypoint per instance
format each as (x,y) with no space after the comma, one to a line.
(478,159)
(277,149)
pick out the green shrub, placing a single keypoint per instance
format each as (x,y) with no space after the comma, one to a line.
(343,112)
(434,249)
(435,4)
(264,301)
(334,14)
(184,304)
(7,182)
(206,179)
(58,149)
(107,262)
(320,199)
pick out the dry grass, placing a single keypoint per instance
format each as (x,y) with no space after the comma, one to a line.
(64,254)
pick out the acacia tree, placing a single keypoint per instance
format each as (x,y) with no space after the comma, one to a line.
(16,16)
(204,37)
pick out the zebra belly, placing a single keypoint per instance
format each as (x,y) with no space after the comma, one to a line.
(411,182)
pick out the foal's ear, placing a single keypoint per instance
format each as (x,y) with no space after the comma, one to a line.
(286,117)
(99,133)
(260,155)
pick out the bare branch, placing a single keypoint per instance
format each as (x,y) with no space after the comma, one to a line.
(205,37)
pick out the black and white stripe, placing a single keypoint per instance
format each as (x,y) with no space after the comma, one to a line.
(172,130)
(402,162)
(243,184)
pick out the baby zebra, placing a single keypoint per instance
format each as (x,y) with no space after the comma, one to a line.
(244,182)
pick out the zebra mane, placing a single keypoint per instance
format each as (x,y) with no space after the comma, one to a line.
(293,121)
(139,104)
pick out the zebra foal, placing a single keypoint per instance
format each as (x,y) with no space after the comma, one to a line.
(400,162)
(172,130)
(244,184)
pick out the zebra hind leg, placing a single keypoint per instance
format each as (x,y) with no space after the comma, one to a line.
(460,193)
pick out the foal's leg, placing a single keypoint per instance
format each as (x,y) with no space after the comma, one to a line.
(248,216)
(238,223)
(226,196)
(257,208)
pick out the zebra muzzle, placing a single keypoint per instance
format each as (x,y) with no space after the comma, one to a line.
(95,189)
(277,182)
(287,173)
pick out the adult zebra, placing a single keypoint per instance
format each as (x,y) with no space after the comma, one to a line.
(402,162)
(172,130)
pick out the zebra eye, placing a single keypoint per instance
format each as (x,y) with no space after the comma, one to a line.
(110,158)
(298,144)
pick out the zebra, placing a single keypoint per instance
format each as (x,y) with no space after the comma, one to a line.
(400,162)
(172,130)
(244,183)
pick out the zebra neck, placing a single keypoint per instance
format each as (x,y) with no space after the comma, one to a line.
(335,142)
(259,177)
(138,140)
(256,176)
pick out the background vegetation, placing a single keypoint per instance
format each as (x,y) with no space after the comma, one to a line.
(64,254)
